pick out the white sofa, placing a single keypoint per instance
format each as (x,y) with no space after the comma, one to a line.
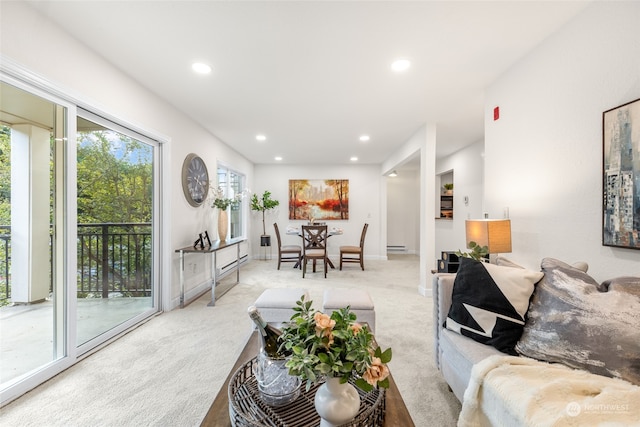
(455,354)
(536,393)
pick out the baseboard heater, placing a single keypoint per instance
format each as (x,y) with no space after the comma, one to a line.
(226,269)
(397,248)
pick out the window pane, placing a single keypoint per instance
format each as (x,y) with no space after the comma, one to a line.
(32,140)
(232,184)
(115,191)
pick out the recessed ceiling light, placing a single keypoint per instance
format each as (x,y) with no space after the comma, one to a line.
(364,138)
(354,159)
(400,65)
(261,137)
(277,158)
(201,68)
(393,174)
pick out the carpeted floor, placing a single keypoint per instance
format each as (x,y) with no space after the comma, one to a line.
(168,371)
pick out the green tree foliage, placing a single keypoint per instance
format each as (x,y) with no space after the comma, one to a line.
(5,175)
(263,204)
(115,181)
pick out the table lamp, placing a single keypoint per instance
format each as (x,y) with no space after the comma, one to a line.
(495,234)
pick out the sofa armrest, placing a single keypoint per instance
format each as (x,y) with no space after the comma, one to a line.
(442,289)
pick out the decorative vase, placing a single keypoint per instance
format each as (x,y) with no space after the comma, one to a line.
(223,224)
(336,403)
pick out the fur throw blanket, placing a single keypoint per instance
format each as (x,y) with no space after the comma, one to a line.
(509,390)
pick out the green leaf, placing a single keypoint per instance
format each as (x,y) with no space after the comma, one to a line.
(363,385)
(384,383)
(309,384)
(323,368)
(309,374)
(386,356)
(352,355)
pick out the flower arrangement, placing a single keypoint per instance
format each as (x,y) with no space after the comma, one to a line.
(220,202)
(323,345)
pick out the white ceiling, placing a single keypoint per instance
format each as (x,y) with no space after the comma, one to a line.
(315,75)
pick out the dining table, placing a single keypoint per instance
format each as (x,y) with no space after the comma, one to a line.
(331,231)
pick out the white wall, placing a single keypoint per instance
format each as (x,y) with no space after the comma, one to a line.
(468,169)
(544,155)
(403,209)
(366,192)
(45,50)
(422,144)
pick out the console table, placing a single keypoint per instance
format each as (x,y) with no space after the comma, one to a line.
(215,247)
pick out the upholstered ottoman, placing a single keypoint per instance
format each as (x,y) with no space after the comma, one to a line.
(276,305)
(359,300)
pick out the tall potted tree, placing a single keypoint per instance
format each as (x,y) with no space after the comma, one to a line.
(264,204)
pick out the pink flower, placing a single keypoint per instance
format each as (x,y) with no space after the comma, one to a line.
(323,323)
(356,328)
(376,372)
(324,326)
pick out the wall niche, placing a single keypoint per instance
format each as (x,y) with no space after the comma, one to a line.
(444,205)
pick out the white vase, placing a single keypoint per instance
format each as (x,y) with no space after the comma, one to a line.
(336,403)
(223,225)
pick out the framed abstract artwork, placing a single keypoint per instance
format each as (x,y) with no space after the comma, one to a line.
(621,176)
(319,199)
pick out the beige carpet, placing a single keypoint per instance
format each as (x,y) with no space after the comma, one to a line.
(168,371)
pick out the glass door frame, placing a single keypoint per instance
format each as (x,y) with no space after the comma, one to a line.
(17,75)
(64,302)
(155,255)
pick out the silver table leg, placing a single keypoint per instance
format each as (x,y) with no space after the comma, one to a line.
(213,281)
(181,279)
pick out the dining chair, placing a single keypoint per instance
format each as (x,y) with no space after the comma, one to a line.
(314,247)
(287,253)
(354,253)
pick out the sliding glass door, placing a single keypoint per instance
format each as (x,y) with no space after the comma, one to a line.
(33,144)
(79,233)
(115,217)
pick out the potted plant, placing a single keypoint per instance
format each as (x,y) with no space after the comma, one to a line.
(334,348)
(448,189)
(263,204)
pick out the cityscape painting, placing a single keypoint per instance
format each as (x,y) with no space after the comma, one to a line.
(621,176)
(319,199)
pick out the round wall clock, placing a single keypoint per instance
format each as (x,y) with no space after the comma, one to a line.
(195,180)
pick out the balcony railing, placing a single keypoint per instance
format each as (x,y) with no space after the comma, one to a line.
(114,259)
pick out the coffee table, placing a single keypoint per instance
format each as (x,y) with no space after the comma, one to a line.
(396,414)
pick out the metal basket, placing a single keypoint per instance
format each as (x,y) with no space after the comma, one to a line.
(247,409)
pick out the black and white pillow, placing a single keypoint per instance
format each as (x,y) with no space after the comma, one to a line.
(489,302)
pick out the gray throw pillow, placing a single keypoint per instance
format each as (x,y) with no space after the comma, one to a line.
(575,321)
